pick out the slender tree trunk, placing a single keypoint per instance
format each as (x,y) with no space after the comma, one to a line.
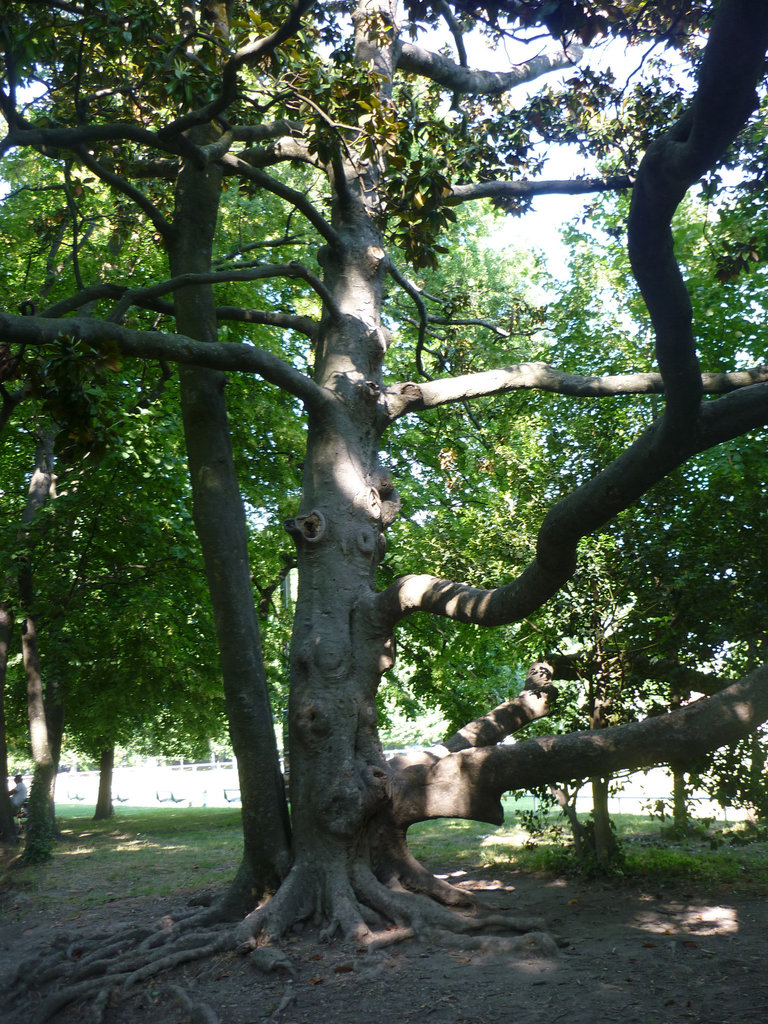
(679,799)
(8,832)
(604,837)
(221,527)
(567,801)
(41,827)
(104,809)
(605,840)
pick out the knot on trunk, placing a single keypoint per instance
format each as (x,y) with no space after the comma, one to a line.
(387,498)
(311,723)
(309,528)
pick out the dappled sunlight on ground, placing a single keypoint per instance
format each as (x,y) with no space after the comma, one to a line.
(695,920)
(532,968)
(125,846)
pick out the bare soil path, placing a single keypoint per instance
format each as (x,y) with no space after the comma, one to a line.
(628,954)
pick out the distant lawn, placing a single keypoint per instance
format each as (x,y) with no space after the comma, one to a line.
(716,853)
(181,850)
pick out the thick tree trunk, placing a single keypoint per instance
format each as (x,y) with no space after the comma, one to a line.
(8,832)
(339,779)
(221,528)
(104,809)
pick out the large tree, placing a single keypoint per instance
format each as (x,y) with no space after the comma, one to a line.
(367,142)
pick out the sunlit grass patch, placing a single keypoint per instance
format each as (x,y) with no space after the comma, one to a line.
(136,853)
(713,853)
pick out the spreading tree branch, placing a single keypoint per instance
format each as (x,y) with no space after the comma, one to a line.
(533,702)
(506,190)
(649,459)
(106,290)
(403,398)
(735,55)
(470,82)
(120,184)
(174,348)
(237,166)
(259,272)
(470,783)
(733,64)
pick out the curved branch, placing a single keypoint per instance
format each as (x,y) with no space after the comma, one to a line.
(401,399)
(455,29)
(470,82)
(533,702)
(142,296)
(119,183)
(649,459)
(732,66)
(470,783)
(175,348)
(411,289)
(501,190)
(235,165)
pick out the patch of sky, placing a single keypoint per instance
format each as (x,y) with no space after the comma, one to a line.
(540,229)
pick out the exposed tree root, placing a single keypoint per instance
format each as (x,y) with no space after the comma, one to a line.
(199,1013)
(395,866)
(339,897)
(89,969)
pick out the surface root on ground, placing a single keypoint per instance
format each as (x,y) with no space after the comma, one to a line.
(349,901)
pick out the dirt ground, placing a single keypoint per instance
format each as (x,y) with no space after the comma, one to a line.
(628,954)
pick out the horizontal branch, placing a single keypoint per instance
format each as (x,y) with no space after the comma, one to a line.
(470,784)
(470,82)
(106,290)
(259,272)
(410,397)
(525,189)
(649,459)
(267,318)
(174,348)
(22,133)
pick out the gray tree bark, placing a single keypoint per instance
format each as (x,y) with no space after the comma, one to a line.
(8,832)
(219,518)
(104,807)
(44,710)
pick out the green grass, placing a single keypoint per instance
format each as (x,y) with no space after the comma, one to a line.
(138,852)
(720,853)
(167,851)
